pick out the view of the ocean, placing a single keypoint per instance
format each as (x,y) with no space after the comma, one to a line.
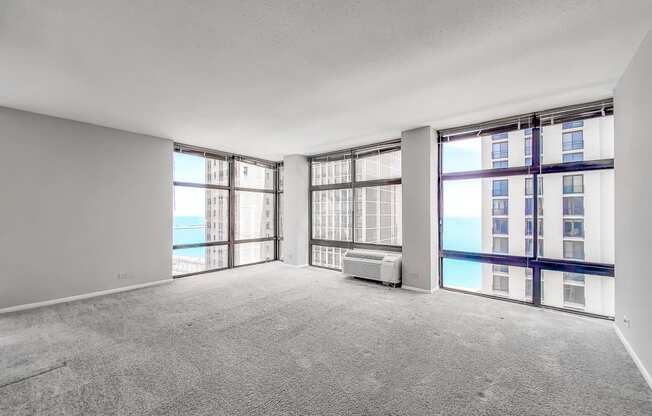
(459,234)
(189,230)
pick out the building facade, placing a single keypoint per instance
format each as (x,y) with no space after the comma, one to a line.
(575,214)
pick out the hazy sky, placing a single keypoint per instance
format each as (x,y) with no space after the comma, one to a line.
(461,198)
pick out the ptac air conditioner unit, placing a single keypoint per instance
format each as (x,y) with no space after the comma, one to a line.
(375,265)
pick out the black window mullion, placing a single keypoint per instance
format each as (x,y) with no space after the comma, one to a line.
(535,262)
(353,181)
(231,224)
(536,165)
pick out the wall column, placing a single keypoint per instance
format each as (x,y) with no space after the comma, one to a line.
(420,225)
(295,222)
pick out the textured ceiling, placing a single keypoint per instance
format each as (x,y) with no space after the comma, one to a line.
(268,78)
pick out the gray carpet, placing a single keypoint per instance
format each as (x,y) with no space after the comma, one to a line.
(272,339)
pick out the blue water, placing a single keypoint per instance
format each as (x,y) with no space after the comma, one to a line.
(196,234)
(461,234)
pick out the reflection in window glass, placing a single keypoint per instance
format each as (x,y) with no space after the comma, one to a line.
(281,177)
(384,165)
(331,214)
(196,169)
(200,215)
(583,292)
(254,215)
(378,218)
(330,257)
(254,252)
(507,281)
(327,172)
(252,176)
(199,259)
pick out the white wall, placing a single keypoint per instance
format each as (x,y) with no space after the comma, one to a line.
(420,234)
(296,170)
(633,108)
(80,204)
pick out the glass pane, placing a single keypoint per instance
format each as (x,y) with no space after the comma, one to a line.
(477,221)
(280,214)
(253,176)
(513,149)
(583,292)
(508,281)
(254,215)
(247,253)
(378,217)
(281,177)
(328,256)
(575,141)
(199,259)
(197,169)
(331,214)
(383,165)
(326,172)
(579,216)
(200,215)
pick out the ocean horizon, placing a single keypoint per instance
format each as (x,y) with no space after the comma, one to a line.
(460,233)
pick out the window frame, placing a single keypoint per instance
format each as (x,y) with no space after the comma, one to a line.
(231,242)
(353,184)
(532,125)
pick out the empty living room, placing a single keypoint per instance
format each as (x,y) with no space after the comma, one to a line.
(325,207)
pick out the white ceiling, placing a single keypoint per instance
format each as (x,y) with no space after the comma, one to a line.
(270,77)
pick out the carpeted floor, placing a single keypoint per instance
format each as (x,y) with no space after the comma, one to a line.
(277,340)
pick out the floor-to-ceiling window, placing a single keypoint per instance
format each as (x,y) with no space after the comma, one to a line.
(526,224)
(355,202)
(224,211)
(280,201)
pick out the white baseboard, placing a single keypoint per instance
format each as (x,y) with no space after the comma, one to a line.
(632,354)
(416,289)
(79,297)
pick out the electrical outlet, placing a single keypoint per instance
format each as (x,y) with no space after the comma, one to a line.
(123,276)
(626,321)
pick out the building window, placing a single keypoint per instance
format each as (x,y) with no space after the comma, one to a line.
(500,207)
(573,157)
(499,136)
(573,140)
(500,283)
(500,226)
(574,295)
(574,228)
(529,227)
(529,189)
(573,184)
(500,268)
(574,250)
(529,206)
(501,245)
(499,164)
(573,205)
(572,124)
(499,150)
(500,187)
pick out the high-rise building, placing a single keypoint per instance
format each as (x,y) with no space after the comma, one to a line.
(374,210)
(575,214)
